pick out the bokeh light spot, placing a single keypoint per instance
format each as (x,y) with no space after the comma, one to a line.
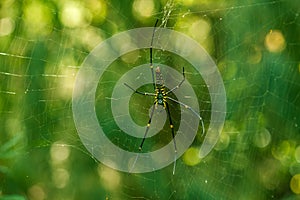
(297,154)
(67,83)
(60,177)
(283,152)
(109,178)
(200,29)
(197,28)
(74,15)
(274,41)
(36,192)
(295,184)
(99,10)
(143,8)
(262,138)
(59,152)
(191,156)
(7,26)
(38,18)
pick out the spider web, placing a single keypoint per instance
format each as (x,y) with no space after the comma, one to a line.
(255,45)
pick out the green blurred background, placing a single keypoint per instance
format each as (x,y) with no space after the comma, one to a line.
(254,44)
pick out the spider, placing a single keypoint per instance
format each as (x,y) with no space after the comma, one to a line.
(161,98)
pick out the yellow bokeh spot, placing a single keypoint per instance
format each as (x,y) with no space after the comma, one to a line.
(284,152)
(297,154)
(200,29)
(109,178)
(274,41)
(99,10)
(67,83)
(7,26)
(59,152)
(143,8)
(191,156)
(281,150)
(197,28)
(295,184)
(125,45)
(90,37)
(75,15)
(38,18)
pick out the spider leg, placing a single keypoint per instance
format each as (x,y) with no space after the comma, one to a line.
(192,110)
(138,92)
(147,129)
(173,135)
(151,115)
(148,126)
(177,86)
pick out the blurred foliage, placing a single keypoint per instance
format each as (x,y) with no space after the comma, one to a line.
(255,44)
